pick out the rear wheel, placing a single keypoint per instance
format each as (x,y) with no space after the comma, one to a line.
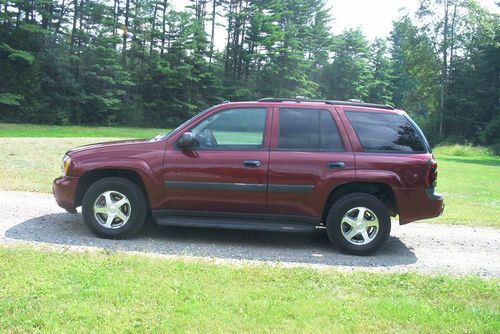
(114,208)
(358,224)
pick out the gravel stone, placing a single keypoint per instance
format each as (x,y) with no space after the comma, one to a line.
(32,218)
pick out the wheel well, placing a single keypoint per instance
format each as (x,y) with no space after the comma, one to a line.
(380,190)
(93,176)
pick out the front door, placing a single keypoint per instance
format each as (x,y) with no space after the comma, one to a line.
(227,171)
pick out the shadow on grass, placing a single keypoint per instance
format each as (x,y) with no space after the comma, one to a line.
(313,248)
(484,162)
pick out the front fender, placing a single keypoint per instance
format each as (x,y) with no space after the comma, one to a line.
(151,180)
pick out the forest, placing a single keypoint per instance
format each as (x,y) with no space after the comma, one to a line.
(143,63)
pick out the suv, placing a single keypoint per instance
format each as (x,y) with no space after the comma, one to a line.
(273,164)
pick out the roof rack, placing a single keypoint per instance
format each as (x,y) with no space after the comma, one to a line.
(342,103)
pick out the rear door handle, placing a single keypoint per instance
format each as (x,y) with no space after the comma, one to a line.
(336,164)
(251,163)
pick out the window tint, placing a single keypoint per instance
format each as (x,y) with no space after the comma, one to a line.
(385,132)
(239,128)
(308,129)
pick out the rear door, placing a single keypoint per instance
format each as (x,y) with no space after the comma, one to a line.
(309,157)
(228,171)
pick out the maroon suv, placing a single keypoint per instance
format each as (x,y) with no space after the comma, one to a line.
(274,164)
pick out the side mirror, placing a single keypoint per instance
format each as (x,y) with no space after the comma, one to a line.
(187,140)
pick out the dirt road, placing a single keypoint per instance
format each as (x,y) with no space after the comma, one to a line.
(36,219)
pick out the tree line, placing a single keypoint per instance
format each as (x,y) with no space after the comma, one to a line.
(140,62)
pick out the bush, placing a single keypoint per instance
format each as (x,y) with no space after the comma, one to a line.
(463,150)
(495,148)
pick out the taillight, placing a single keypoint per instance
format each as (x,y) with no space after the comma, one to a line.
(431,174)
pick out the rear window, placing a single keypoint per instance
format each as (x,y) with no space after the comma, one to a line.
(384,132)
(308,129)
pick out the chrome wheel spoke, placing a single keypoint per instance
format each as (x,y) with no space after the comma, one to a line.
(107,198)
(351,234)
(121,202)
(122,216)
(361,215)
(109,220)
(348,220)
(100,209)
(365,236)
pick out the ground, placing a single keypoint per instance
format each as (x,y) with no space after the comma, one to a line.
(413,247)
(55,276)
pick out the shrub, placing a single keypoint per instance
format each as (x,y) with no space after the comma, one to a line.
(463,150)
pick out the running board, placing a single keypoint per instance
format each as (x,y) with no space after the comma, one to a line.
(241,222)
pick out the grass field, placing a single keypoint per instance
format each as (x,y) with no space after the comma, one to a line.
(468,177)
(43,291)
(34,130)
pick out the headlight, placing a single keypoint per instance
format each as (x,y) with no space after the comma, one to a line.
(66,161)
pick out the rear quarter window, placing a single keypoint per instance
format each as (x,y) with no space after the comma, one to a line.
(385,132)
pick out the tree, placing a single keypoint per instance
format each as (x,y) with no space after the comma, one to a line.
(140,62)
(348,76)
(380,86)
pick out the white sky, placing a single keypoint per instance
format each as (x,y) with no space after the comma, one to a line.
(374,17)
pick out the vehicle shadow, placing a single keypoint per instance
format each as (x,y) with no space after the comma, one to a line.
(312,248)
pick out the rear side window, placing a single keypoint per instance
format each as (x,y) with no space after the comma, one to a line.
(384,132)
(308,129)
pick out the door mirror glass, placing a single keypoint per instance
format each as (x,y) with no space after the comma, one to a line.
(186,141)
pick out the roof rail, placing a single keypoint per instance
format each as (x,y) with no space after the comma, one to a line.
(334,102)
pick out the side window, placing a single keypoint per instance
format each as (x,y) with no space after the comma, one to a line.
(384,132)
(308,129)
(232,128)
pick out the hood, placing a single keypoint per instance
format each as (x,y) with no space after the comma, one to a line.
(107,145)
(138,148)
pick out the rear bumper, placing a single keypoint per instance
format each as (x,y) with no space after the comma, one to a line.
(64,190)
(419,204)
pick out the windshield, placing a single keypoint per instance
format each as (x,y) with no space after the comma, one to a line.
(167,135)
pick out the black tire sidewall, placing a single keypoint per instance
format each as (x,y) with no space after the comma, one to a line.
(137,202)
(341,207)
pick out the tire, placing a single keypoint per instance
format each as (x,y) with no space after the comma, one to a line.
(124,215)
(345,227)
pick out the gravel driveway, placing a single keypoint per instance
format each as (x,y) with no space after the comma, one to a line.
(36,219)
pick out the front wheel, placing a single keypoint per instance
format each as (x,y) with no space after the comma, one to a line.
(358,224)
(114,208)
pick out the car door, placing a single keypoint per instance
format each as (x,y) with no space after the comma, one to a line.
(310,155)
(227,172)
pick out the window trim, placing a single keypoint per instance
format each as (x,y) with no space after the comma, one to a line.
(329,111)
(426,149)
(261,147)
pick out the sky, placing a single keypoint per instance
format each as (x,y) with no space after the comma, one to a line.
(374,17)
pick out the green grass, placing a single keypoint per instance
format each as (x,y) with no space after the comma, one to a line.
(32,130)
(31,164)
(471,187)
(463,151)
(66,292)
(469,177)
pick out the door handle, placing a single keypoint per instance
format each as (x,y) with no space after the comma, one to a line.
(251,163)
(336,164)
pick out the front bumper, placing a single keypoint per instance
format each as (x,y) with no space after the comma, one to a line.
(64,190)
